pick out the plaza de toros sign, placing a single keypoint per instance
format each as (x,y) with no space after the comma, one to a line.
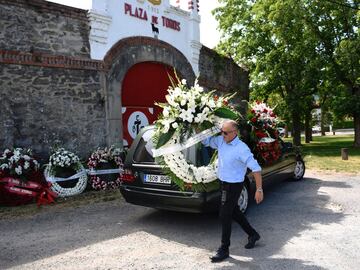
(142,14)
(113,20)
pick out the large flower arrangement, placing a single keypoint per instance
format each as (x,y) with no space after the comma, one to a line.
(64,168)
(105,168)
(18,163)
(264,134)
(189,110)
(21,180)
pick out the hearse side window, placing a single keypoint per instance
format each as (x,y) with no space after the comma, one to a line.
(143,151)
(204,154)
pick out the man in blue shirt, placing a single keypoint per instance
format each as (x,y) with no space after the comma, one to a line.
(234,159)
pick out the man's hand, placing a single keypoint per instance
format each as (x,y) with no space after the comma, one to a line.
(259,196)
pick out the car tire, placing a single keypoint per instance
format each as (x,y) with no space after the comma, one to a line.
(299,170)
(243,201)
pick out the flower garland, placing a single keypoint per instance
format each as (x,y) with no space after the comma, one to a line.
(264,134)
(106,160)
(187,110)
(64,163)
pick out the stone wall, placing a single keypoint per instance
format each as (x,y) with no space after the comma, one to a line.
(50,89)
(223,74)
(42,107)
(41,26)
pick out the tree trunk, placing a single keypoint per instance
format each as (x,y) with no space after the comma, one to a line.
(356,92)
(357,129)
(322,120)
(308,131)
(296,128)
(286,135)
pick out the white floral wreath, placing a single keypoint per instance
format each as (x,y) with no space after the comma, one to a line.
(65,159)
(105,155)
(189,109)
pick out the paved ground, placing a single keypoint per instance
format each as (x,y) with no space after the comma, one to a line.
(312,224)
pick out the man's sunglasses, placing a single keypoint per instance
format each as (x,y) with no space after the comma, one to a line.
(226,132)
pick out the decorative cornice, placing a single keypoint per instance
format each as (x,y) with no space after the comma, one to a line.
(46,60)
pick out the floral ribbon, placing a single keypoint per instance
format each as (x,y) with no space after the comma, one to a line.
(108,171)
(267,140)
(170,149)
(46,195)
(53,179)
(42,192)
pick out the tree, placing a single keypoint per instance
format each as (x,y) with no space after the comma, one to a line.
(335,26)
(270,38)
(293,47)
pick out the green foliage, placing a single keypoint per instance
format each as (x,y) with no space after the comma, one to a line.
(164,138)
(295,49)
(226,113)
(343,124)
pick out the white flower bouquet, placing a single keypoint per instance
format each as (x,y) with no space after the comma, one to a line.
(189,111)
(66,173)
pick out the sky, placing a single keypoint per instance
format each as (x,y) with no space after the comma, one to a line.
(209,35)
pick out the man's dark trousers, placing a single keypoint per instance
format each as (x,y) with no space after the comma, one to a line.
(230,193)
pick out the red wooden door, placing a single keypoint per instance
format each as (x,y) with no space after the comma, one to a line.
(144,84)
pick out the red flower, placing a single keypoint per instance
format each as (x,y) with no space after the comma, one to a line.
(259,134)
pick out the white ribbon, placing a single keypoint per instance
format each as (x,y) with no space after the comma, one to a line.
(267,140)
(108,171)
(169,149)
(53,179)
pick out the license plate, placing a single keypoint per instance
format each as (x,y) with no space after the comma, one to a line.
(158,179)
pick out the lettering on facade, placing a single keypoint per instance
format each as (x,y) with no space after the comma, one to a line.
(137,12)
(141,14)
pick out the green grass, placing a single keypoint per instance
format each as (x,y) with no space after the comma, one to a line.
(324,153)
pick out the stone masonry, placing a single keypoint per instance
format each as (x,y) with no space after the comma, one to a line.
(40,26)
(44,107)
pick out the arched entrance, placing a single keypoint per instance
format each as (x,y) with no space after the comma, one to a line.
(125,55)
(143,85)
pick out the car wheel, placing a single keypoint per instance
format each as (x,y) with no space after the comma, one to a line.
(299,170)
(244,199)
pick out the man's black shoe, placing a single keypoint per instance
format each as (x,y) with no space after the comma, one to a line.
(251,241)
(221,254)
